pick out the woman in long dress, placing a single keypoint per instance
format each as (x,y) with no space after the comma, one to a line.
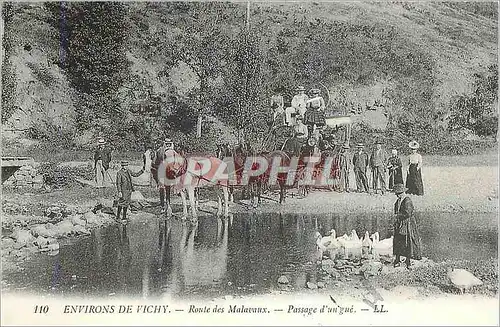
(406,241)
(414,177)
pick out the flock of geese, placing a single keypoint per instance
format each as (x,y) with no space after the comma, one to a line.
(353,246)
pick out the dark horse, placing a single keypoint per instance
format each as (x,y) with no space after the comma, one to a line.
(239,155)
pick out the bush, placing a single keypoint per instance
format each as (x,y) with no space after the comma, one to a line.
(63,176)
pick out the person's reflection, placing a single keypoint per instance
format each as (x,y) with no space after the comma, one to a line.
(98,245)
(124,258)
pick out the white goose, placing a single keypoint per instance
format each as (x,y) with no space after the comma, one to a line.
(353,245)
(383,247)
(326,241)
(367,244)
(462,279)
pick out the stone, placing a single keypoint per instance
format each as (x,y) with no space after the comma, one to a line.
(64,228)
(328,266)
(77,221)
(41,242)
(283,280)
(92,219)
(321,285)
(79,229)
(23,236)
(311,285)
(371,268)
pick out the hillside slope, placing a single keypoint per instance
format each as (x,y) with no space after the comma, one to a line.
(408,56)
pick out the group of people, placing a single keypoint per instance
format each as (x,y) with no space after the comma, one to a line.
(305,113)
(381,164)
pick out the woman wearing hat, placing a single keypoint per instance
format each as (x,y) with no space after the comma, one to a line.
(315,113)
(414,177)
(102,158)
(299,101)
(406,241)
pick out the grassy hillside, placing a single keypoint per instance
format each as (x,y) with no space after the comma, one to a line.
(179,60)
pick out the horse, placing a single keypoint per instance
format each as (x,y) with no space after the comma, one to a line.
(185,175)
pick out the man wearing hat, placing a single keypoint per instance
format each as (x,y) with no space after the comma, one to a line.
(406,241)
(299,101)
(315,113)
(125,188)
(360,163)
(159,157)
(102,158)
(344,169)
(378,162)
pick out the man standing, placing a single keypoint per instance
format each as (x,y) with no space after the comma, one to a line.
(378,161)
(125,188)
(360,163)
(344,169)
(102,158)
(159,157)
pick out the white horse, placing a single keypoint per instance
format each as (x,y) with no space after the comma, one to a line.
(185,175)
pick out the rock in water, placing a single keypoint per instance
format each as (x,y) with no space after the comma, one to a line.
(283,280)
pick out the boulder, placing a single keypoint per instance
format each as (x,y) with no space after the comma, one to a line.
(7,243)
(64,228)
(92,219)
(41,242)
(79,229)
(77,221)
(328,266)
(321,285)
(42,230)
(23,236)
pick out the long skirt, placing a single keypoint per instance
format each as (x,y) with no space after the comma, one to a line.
(100,174)
(313,116)
(407,241)
(395,177)
(414,181)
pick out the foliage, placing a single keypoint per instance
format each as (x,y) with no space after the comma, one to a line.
(477,111)
(58,177)
(8,73)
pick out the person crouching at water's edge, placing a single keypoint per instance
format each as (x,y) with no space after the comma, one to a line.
(125,188)
(407,241)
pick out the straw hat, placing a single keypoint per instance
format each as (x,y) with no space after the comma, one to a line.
(360,145)
(346,146)
(300,88)
(124,163)
(414,145)
(101,141)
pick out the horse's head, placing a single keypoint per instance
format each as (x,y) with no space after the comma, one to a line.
(174,164)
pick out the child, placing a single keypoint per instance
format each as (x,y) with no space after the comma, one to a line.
(125,188)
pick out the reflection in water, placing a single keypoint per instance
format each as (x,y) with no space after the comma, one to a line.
(171,258)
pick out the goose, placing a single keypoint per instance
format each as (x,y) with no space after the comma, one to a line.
(326,240)
(353,245)
(383,247)
(367,244)
(334,245)
(462,279)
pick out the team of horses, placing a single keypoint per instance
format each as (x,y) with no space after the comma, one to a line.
(245,159)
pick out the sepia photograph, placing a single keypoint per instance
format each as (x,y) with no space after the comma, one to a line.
(249,163)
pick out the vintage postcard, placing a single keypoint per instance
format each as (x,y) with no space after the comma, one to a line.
(249,163)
